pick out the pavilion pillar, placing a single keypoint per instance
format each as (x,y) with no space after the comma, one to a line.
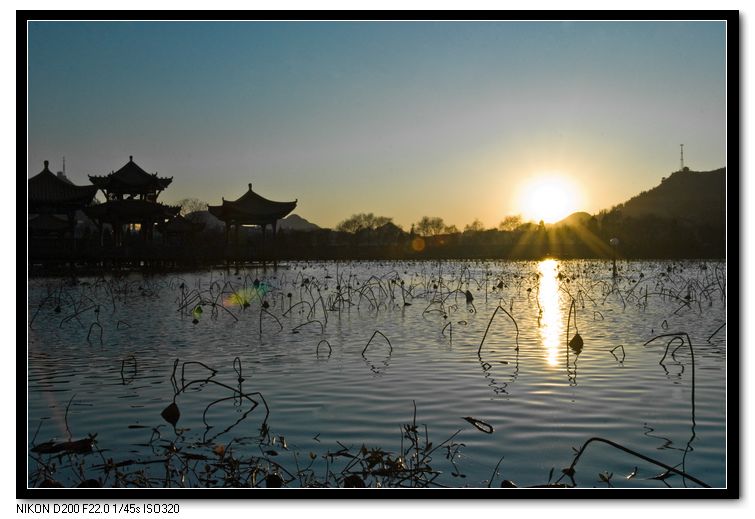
(264,244)
(72,228)
(275,232)
(236,243)
(225,249)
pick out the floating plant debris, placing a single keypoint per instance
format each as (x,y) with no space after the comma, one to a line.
(273,481)
(171,414)
(576,343)
(353,481)
(72,447)
(480,425)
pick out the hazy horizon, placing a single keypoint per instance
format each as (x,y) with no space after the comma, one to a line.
(401,119)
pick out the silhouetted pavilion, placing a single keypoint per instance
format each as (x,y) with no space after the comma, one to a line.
(48,225)
(250,209)
(53,202)
(131,199)
(178,229)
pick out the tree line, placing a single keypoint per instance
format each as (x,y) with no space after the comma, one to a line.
(426,226)
(647,236)
(367,236)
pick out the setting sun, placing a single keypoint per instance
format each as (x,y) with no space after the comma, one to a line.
(548,198)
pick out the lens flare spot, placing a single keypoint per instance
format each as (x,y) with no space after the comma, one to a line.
(244,297)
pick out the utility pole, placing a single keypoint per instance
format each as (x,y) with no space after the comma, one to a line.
(681,168)
(614,243)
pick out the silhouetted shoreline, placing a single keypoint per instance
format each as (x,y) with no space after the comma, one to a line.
(683,217)
(676,242)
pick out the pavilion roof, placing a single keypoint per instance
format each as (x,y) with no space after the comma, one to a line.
(252,208)
(131,178)
(47,190)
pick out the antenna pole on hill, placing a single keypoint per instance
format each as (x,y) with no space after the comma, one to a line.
(681,168)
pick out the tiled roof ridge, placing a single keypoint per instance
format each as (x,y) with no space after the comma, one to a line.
(46,186)
(253,207)
(131,174)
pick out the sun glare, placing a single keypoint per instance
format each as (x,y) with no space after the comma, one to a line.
(550,322)
(548,198)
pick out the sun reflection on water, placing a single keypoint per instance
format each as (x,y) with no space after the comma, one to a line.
(551,325)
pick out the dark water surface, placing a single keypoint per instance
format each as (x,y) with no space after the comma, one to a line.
(542,401)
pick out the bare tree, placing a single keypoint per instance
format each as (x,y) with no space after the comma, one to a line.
(475,226)
(450,229)
(362,221)
(510,223)
(191,205)
(430,226)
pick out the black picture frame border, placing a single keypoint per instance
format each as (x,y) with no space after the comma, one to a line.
(734,238)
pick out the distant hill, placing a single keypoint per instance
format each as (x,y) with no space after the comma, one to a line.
(695,196)
(294,222)
(579,219)
(208,219)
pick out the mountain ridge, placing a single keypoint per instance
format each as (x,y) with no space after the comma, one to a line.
(696,196)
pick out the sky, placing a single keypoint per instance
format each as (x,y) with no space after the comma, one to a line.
(401,119)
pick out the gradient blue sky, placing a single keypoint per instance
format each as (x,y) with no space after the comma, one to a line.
(401,119)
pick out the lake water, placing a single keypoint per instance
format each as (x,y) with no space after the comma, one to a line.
(102,356)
